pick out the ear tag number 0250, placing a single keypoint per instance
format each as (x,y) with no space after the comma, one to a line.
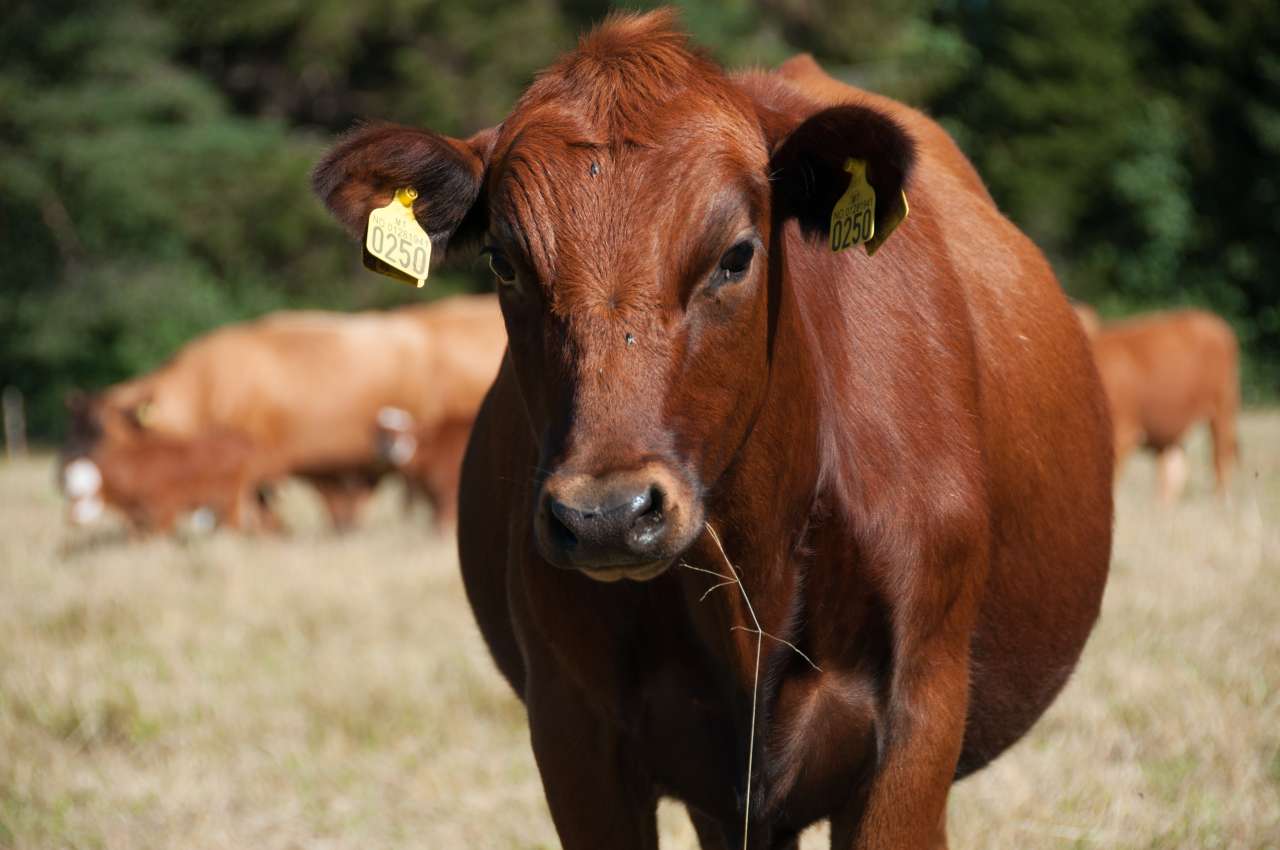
(395,244)
(853,218)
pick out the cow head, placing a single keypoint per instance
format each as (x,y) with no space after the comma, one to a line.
(95,424)
(118,414)
(629,207)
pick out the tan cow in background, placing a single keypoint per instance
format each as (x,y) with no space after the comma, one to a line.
(1164,373)
(305,389)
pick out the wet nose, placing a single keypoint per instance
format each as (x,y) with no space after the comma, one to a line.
(616,526)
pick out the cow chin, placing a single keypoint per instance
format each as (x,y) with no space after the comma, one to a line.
(644,572)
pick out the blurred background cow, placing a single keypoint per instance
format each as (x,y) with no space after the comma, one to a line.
(290,394)
(153,482)
(1164,373)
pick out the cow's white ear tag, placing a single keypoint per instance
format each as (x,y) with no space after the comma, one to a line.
(395,244)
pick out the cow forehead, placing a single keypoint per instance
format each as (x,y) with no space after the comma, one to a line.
(581,210)
(614,156)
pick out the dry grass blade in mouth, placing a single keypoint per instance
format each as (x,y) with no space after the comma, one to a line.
(761,634)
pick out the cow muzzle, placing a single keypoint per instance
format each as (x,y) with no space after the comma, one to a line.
(622,525)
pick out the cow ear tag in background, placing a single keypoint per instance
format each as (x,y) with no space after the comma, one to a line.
(144,413)
(853,218)
(395,244)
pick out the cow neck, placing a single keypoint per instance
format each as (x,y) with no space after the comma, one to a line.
(761,511)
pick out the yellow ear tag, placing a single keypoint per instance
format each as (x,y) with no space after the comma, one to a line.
(889,225)
(853,218)
(395,244)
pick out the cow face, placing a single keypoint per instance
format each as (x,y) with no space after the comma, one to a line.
(628,213)
(84,423)
(95,422)
(104,417)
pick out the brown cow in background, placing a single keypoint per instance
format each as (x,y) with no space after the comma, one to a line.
(782,533)
(1164,373)
(154,482)
(305,389)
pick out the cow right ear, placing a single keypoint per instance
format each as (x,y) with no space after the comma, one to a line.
(365,168)
(810,166)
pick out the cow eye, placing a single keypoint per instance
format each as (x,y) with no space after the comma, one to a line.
(735,263)
(501,266)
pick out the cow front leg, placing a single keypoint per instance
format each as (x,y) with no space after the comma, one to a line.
(597,793)
(904,805)
(1172,474)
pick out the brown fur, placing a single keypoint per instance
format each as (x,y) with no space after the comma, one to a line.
(907,456)
(154,481)
(1163,374)
(306,388)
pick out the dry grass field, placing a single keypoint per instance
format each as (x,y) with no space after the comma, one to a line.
(318,691)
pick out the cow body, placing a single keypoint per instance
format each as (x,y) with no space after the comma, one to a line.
(1164,373)
(896,466)
(305,388)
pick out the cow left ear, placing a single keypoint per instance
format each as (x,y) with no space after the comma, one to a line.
(808,166)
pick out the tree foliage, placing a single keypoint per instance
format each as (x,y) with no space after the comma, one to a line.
(154,153)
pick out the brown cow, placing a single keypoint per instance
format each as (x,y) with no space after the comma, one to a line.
(155,480)
(306,387)
(1164,373)
(898,466)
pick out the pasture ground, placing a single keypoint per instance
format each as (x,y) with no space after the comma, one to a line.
(317,691)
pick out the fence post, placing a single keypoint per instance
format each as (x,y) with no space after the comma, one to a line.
(15,423)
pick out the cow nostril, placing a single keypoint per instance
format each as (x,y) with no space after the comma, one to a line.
(651,521)
(656,502)
(642,504)
(557,514)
